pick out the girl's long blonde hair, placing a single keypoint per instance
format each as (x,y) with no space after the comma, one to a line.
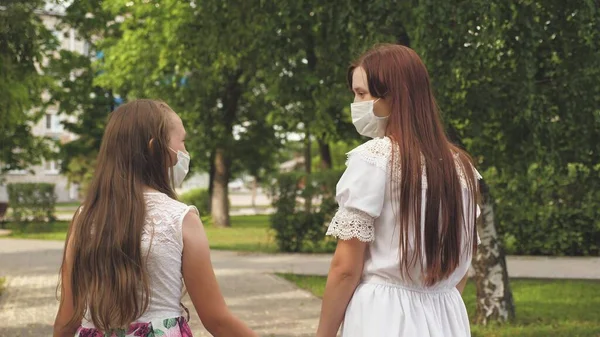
(109,279)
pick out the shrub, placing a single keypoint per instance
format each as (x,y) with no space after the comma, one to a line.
(32,201)
(549,210)
(197,197)
(200,198)
(304,204)
(2,281)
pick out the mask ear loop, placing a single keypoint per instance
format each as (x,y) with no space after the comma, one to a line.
(374,111)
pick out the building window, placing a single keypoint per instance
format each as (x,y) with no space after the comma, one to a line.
(59,36)
(52,167)
(86,49)
(53,123)
(48,121)
(18,172)
(74,192)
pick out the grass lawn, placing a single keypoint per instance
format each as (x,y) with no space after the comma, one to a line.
(545,308)
(247,233)
(2,280)
(73,204)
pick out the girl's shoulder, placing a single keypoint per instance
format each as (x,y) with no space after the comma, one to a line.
(162,202)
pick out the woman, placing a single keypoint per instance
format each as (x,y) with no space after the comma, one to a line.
(406,221)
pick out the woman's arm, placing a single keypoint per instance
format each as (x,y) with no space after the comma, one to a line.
(344,275)
(202,285)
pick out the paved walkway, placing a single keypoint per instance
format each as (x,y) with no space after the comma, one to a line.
(270,305)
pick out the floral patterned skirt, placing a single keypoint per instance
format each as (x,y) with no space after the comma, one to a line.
(170,327)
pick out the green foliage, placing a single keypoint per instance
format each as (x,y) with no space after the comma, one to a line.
(24,43)
(200,198)
(32,201)
(307,79)
(211,79)
(298,227)
(76,95)
(197,197)
(214,79)
(2,282)
(517,81)
(339,154)
(547,212)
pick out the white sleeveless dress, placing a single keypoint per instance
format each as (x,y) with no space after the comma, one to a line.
(386,304)
(162,240)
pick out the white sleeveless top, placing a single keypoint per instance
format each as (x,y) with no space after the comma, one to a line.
(162,239)
(386,303)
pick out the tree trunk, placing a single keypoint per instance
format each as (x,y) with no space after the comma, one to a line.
(222,162)
(307,151)
(254,191)
(211,178)
(494,296)
(307,168)
(325,154)
(220,196)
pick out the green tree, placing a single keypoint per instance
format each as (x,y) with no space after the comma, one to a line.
(315,43)
(517,83)
(204,57)
(75,93)
(24,45)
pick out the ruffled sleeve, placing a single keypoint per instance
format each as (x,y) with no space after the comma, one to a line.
(360,192)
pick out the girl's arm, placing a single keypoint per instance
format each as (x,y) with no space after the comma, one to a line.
(62,328)
(202,285)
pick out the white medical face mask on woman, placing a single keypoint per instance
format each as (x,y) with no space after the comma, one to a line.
(365,121)
(181,168)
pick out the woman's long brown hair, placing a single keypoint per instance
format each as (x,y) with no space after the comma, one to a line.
(397,74)
(109,276)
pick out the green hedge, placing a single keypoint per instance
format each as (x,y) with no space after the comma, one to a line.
(549,211)
(298,226)
(32,201)
(200,198)
(544,211)
(197,197)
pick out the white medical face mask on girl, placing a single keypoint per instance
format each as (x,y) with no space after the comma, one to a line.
(365,121)
(181,168)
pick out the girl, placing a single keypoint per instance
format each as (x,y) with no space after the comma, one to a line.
(132,245)
(406,221)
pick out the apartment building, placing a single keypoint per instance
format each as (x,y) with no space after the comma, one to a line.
(51,124)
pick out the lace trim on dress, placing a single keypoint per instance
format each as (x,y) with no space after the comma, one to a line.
(352,223)
(378,152)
